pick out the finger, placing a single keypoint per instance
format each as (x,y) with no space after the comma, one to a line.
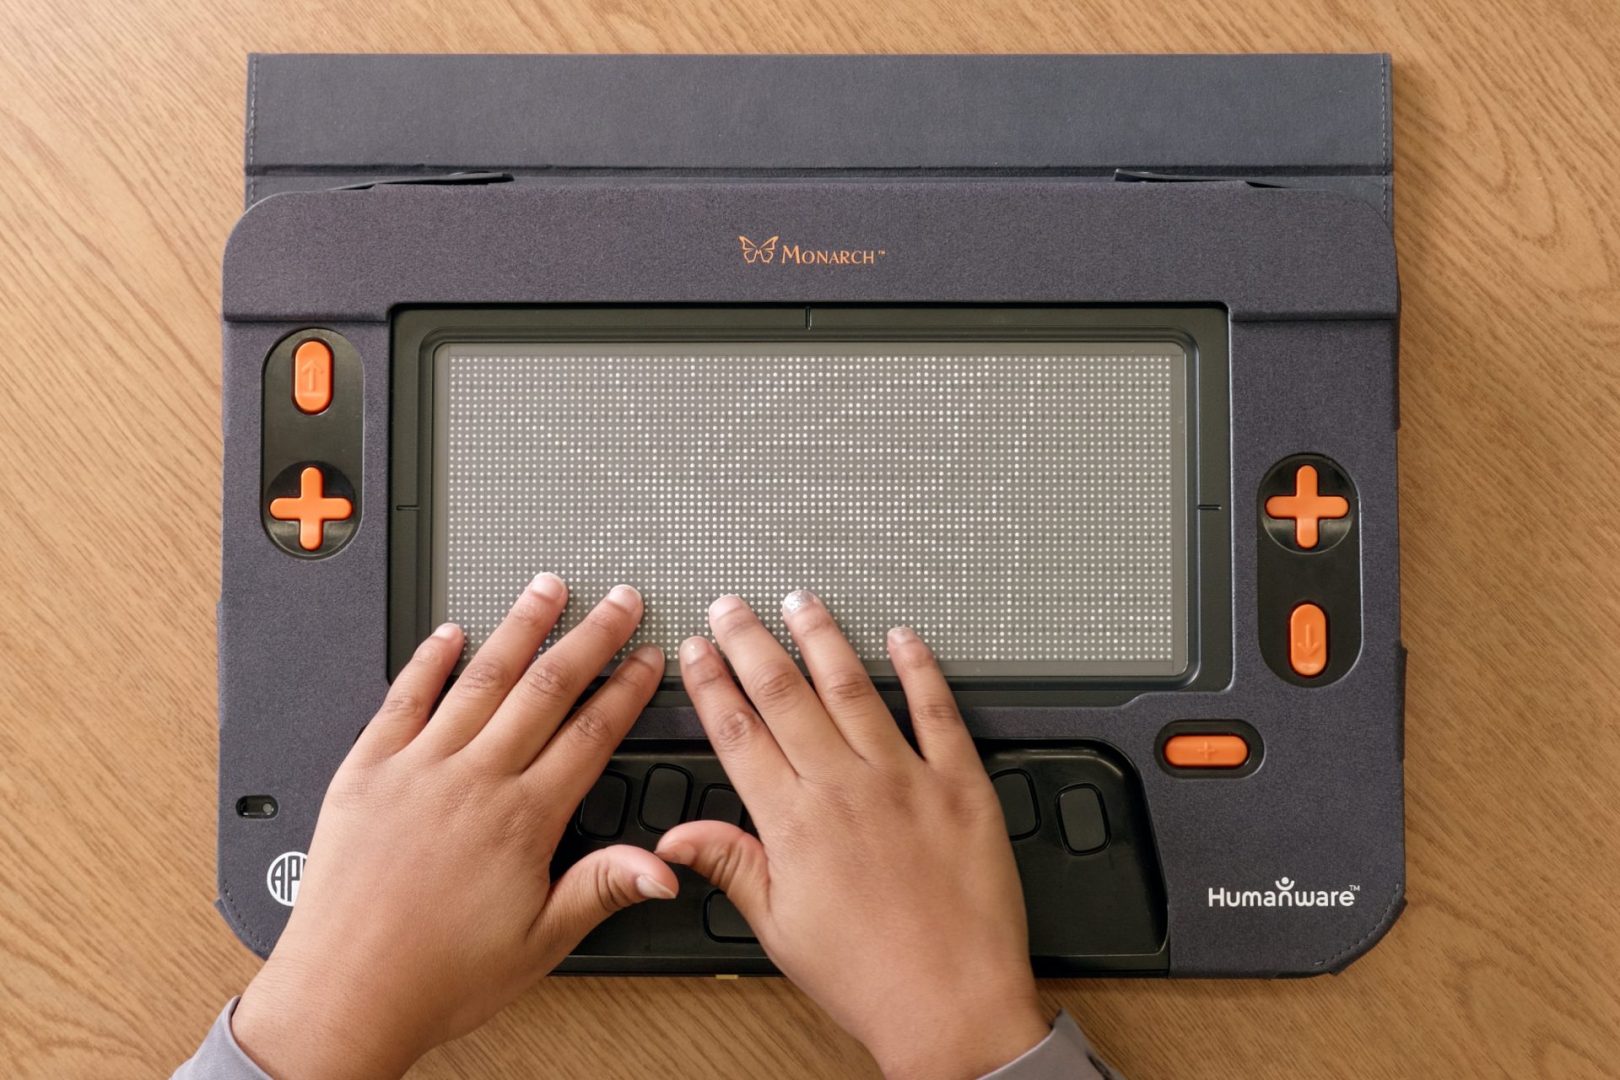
(777,688)
(601,883)
(489,675)
(535,707)
(941,735)
(734,862)
(405,711)
(745,746)
(573,760)
(841,680)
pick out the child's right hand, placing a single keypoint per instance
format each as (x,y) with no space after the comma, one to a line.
(882,881)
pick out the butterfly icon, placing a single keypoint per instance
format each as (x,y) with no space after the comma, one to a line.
(753,253)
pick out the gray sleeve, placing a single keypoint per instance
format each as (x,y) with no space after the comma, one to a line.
(1063,1055)
(219,1058)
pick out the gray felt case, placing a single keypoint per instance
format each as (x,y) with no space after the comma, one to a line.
(988,181)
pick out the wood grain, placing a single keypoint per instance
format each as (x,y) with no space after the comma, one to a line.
(120,140)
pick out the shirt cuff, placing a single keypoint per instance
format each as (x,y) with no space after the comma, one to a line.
(219,1058)
(1063,1055)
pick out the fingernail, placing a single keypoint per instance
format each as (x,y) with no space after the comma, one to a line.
(724,606)
(679,853)
(447,631)
(626,597)
(694,649)
(549,586)
(653,889)
(651,655)
(797,600)
(902,634)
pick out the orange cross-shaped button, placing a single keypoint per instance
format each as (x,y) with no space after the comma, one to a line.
(312,509)
(1306,507)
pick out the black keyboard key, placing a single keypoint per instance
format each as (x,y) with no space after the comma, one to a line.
(601,815)
(720,803)
(663,797)
(1080,811)
(1017,797)
(723,921)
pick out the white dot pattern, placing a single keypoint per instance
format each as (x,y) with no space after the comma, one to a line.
(1022,507)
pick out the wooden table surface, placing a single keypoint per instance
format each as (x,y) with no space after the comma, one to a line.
(120,158)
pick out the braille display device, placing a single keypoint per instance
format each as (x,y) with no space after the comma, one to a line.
(1085,367)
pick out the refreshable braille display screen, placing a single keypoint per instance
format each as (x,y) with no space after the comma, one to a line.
(1023,505)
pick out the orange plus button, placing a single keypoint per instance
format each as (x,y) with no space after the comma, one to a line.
(312,376)
(1308,640)
(1306,507)
(1206,751)
(312,509)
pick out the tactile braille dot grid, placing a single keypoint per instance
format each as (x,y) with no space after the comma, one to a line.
(1013,508)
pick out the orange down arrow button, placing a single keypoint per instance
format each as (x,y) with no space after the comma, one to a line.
(1308,640)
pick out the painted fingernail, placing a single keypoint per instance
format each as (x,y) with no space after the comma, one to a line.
(724,606)
(902,634)
(797,600)
(678,853)
(694,649)
(653,889)
(447,631)
(549,586)
(626,597)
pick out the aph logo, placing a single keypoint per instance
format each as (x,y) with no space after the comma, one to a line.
(1283,895)
(286,871)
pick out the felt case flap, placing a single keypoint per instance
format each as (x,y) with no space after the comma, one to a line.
(317,121)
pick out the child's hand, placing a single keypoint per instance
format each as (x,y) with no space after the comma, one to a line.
(882,882)
(426,904)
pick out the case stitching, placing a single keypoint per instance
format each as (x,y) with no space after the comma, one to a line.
(1388,123)
(252,126)
(1381,924)
(230,902)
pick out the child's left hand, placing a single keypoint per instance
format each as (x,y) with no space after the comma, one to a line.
(426,904)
